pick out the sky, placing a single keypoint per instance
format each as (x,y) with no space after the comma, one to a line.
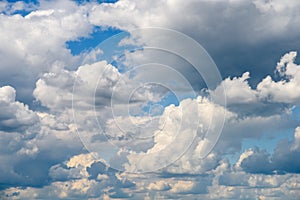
(161,99)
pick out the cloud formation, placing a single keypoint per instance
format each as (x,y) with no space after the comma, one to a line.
(281,161)
(146,130)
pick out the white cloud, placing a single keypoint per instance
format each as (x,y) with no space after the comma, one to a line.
(9,8)
(182,186)
(262,18)
(14,115)
(243,156)
(19,127)
(32,44)
(59,190)
(249,126)
(296,144)
(229,183)
(91,84)
(7,94)
(269,98)
(84,160)
(281,161)
(3,5)
(37,43)
(159,185)
(74,179)
(191,124)
(286,90)
(237,90)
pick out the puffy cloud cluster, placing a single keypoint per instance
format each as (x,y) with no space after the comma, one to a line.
(33,43)
(190,130)
(82,176)
(15,116)
(274,15)
(85,174)
(238,90)
(281,161)
(42,157)
(270,96)
(235,39)
(18,127)
(286,90)
(98,181)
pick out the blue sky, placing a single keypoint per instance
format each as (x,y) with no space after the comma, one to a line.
(132,99)
(86,43)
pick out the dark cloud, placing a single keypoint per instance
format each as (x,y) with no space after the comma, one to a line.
(281,161)
(239,35)
(259,162)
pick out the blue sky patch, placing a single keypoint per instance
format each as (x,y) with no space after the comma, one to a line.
(87,43)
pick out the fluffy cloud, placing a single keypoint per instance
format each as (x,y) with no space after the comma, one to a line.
(175,124)
(15,7)
(237,90)
(159,185)
(81,175)
(235,39)
(14,115)
(224,182)
(32,44)
(178,124)
(27,138)
(239,125)
(98,84)
(18,128)
(89,92)
(286,90)
(159,14)
(269,97)
(41,155)
(281,161)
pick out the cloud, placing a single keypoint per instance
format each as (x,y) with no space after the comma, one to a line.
(268,97)
(10,8)
(230,183)
(237,90)
(27,138)
(250,163)
(178,124)
(69,21)
(35,43)
(235,39)
(19,127)
(224,182)
(161,13)
(281,161)
(121,130)
(15,115)
(77,178)
(159,185)
(41,155)
(182,186)
(287,89)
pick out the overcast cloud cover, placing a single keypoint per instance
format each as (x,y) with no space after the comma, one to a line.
(79,121)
